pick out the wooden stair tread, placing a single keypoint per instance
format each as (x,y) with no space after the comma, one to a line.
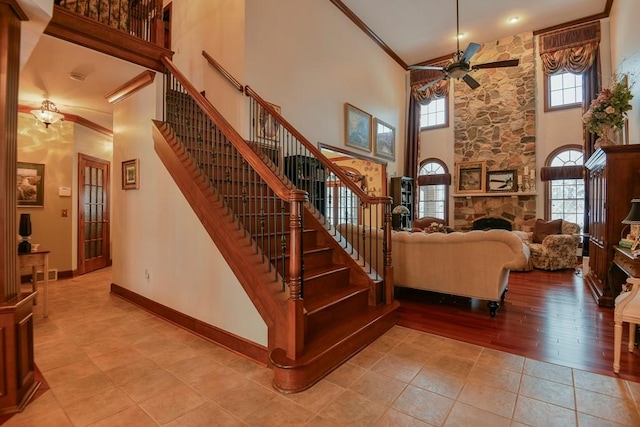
(323,300)
(319,272)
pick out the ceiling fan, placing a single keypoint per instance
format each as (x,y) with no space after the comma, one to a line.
(461,66)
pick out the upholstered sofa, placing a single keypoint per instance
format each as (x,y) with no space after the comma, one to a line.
(553,251)
(475,264)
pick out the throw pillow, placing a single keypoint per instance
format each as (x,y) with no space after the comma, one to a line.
(544,228)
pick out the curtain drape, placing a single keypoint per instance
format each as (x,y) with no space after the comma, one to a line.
(412,148)
(591,86)
(549,173)
(438,179)
(419,78)
(570,49)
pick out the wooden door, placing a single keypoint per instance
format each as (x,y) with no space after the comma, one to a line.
(93,213)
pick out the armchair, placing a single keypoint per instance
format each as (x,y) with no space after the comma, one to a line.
(554,251)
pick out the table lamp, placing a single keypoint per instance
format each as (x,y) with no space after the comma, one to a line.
(633,219)
(25,231)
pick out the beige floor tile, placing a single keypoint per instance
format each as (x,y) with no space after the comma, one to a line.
(437,381)
(346,374)
(610,386)
(621,411)
(156,382)
(115,359)
(56,354)
(243,366)
(488,398)
(129,417)
(429,342)
(541,414)
(424,405)
(53,418)
(507,361)
(245,398)
(71,372)
(460,349)
(465,415)
(82,388)
(548,371)
(378,388)
(400,333)
(451,364)
(98,407)
(496,376)
(172,403)
(585,420)
(397,367)
(318,396)
(109,345)
(384,344)
(195,367)
(548,391)
(215,384)
(262,375)
(137,369)
(366,358)
(410,351)
(279,412)
(206,415)
(353,409)
(393,418)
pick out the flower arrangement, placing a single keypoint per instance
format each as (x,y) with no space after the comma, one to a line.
(609,109)
(435,227)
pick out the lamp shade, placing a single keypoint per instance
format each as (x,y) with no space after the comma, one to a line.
(634,214)
(25,225)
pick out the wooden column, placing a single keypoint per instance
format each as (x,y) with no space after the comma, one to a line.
(17,382)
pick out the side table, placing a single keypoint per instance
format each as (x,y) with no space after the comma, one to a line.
(37,260)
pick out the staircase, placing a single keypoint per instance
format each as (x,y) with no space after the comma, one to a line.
(321,303)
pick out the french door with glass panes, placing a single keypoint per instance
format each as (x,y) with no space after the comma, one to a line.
(93,213)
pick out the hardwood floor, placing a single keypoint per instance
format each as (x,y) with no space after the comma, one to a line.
(547,316)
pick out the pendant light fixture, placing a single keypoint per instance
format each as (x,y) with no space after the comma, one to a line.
(48,113)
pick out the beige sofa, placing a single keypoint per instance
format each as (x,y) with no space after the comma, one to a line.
(475,264)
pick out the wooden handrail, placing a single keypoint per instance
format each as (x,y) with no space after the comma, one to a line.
(337,171)
(278,187)
(222,71)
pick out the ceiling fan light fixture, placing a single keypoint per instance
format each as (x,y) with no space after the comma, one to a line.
(462,36)
(48,113)
(513,19)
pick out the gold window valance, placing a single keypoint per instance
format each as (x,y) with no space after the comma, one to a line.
(419,78)
(570,49)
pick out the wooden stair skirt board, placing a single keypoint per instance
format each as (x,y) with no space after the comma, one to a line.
(327,353)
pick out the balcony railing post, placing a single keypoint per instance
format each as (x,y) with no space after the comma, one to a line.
(295,303)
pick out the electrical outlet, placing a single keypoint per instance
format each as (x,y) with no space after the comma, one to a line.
(147,274)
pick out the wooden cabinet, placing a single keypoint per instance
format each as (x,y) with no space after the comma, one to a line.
(308,174)
(402,192)
(614,179)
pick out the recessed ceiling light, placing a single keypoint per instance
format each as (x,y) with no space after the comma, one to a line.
(79,77)
(514,19)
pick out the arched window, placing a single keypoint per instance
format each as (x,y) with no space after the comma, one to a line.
(433,189)
(565,190)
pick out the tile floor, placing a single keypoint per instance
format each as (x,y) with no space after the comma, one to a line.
(109,363)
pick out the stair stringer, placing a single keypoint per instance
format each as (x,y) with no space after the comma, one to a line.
(260,284)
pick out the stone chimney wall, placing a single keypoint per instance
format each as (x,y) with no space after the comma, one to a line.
(495,123)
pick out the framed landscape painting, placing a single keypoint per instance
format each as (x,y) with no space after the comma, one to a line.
(30,184)
(357,128)
(470,177)
(385,144)
(130,174)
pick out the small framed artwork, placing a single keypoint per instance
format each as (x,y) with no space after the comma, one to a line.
(470,177)
(505,180)
(357,128)
(30,184)
(131,174)
(385,142)
(267,127)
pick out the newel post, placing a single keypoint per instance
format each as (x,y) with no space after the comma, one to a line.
(295,303)
(386,250)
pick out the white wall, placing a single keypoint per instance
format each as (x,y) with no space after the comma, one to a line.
(625,54)
(308,58)
(156,230)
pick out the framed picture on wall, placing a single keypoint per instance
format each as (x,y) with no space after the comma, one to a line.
(357,128)
(30,184)
(385,144)
(504,180)
(470,177)
(131,174)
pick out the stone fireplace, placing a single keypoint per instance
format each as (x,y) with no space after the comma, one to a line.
(495,123)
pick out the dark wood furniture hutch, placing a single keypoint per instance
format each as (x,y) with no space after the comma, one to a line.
(402,193)
(614,179)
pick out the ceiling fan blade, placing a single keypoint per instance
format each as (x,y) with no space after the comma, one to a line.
(473,83)
(497,64)
(431,83)
(425,67)
(470,51)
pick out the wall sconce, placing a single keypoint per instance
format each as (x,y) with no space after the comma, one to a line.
(48,113)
